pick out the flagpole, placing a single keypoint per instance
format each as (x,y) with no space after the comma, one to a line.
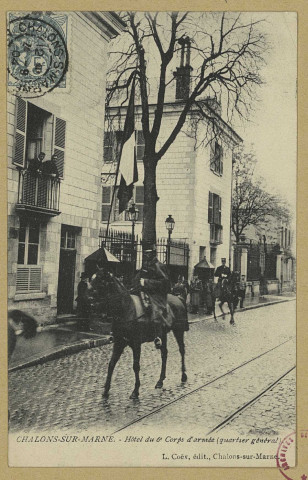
(116,178)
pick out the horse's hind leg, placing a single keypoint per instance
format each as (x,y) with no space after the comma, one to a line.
(118,348)
(231,308)
(179,335)
(164,354)
(222,311)
(136,366)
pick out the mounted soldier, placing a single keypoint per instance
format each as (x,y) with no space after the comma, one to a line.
(221,272)
(153,284)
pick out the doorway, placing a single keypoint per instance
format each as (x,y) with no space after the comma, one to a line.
(67,264)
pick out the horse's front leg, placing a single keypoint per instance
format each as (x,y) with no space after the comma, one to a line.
(231,308)
(214,308)
(118,348)
(136,347)
(164,354)
(222,311)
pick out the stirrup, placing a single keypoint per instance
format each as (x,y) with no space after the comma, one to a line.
(158,342)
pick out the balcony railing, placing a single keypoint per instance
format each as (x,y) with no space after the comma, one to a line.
(215,233)
(38,193)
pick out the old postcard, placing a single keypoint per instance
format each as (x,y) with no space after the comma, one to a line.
(152,269)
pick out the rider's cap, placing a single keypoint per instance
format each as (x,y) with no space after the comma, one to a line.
(223,259)
(84,275)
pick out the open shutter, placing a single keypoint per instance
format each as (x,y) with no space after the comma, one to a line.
(20,132)
(106,200)
(139,200)
(210,208)
(221,160)
(219,208)
(212,155)
(59,143)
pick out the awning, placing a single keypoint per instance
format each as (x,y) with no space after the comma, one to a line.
(102,253)
(204,264)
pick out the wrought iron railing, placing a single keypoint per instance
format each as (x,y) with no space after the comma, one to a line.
(38,191)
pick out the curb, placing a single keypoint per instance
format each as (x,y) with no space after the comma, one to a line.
(92,343)
(63,352)
(244,309)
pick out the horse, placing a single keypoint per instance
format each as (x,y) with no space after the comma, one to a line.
(131,327)
(226,292)
(19,320)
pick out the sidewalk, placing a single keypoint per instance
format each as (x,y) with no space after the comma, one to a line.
(55,341)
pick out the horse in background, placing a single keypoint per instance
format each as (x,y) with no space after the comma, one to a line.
(19,320)
(227,292)
(131,326)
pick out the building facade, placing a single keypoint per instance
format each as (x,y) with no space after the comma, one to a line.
(193,180)
(53,223)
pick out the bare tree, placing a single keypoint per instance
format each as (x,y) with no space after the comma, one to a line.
(226,55)
(251,203)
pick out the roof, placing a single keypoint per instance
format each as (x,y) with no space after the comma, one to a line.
(204,264)
(102,253)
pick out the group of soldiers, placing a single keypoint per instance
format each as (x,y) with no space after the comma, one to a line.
(152,284)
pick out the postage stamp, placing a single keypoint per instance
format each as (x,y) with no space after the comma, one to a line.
(37,53)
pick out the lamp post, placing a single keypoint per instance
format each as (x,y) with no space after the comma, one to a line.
(169,222)
(133,214)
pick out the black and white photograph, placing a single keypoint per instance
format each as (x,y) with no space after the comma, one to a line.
(151,176)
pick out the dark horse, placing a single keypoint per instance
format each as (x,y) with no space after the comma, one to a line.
(227,292)
(131,328)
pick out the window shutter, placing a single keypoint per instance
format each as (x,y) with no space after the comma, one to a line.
(210,208)
(139,200)
(59,143)
(29,279)
(221,160)
(106,200)
(219,207)
(212,155)
(140,146)
(20,132)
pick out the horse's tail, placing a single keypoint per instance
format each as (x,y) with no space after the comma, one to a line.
(28,322)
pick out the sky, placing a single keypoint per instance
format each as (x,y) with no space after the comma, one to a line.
(273,127)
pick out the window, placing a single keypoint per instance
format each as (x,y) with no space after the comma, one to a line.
(138,199)
(214,209)
(214,218)
(217,158)
(28,243)
(140,146)
(29,273)
(38,131)
(68,237)
(112,145)
(213,252)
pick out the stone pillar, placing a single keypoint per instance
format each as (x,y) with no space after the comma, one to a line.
(244,262)
(279,272)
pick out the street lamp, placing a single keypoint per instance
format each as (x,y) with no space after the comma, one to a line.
(169,222)
(133,214)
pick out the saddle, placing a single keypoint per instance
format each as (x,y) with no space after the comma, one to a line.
(143,313)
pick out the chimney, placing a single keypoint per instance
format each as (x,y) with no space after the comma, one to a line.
(182,74)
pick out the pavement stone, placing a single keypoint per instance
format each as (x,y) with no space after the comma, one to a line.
(66,393)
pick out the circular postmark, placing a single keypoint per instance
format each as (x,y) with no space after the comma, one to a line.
(286,455)
(37,55)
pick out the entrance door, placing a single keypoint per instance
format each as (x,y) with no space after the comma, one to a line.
(67,269)
(66,281)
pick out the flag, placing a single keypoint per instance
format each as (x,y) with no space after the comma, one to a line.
(128,162)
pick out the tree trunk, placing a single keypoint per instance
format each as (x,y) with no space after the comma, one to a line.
(150,200)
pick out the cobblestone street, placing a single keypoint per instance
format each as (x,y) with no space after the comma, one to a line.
(66,393)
